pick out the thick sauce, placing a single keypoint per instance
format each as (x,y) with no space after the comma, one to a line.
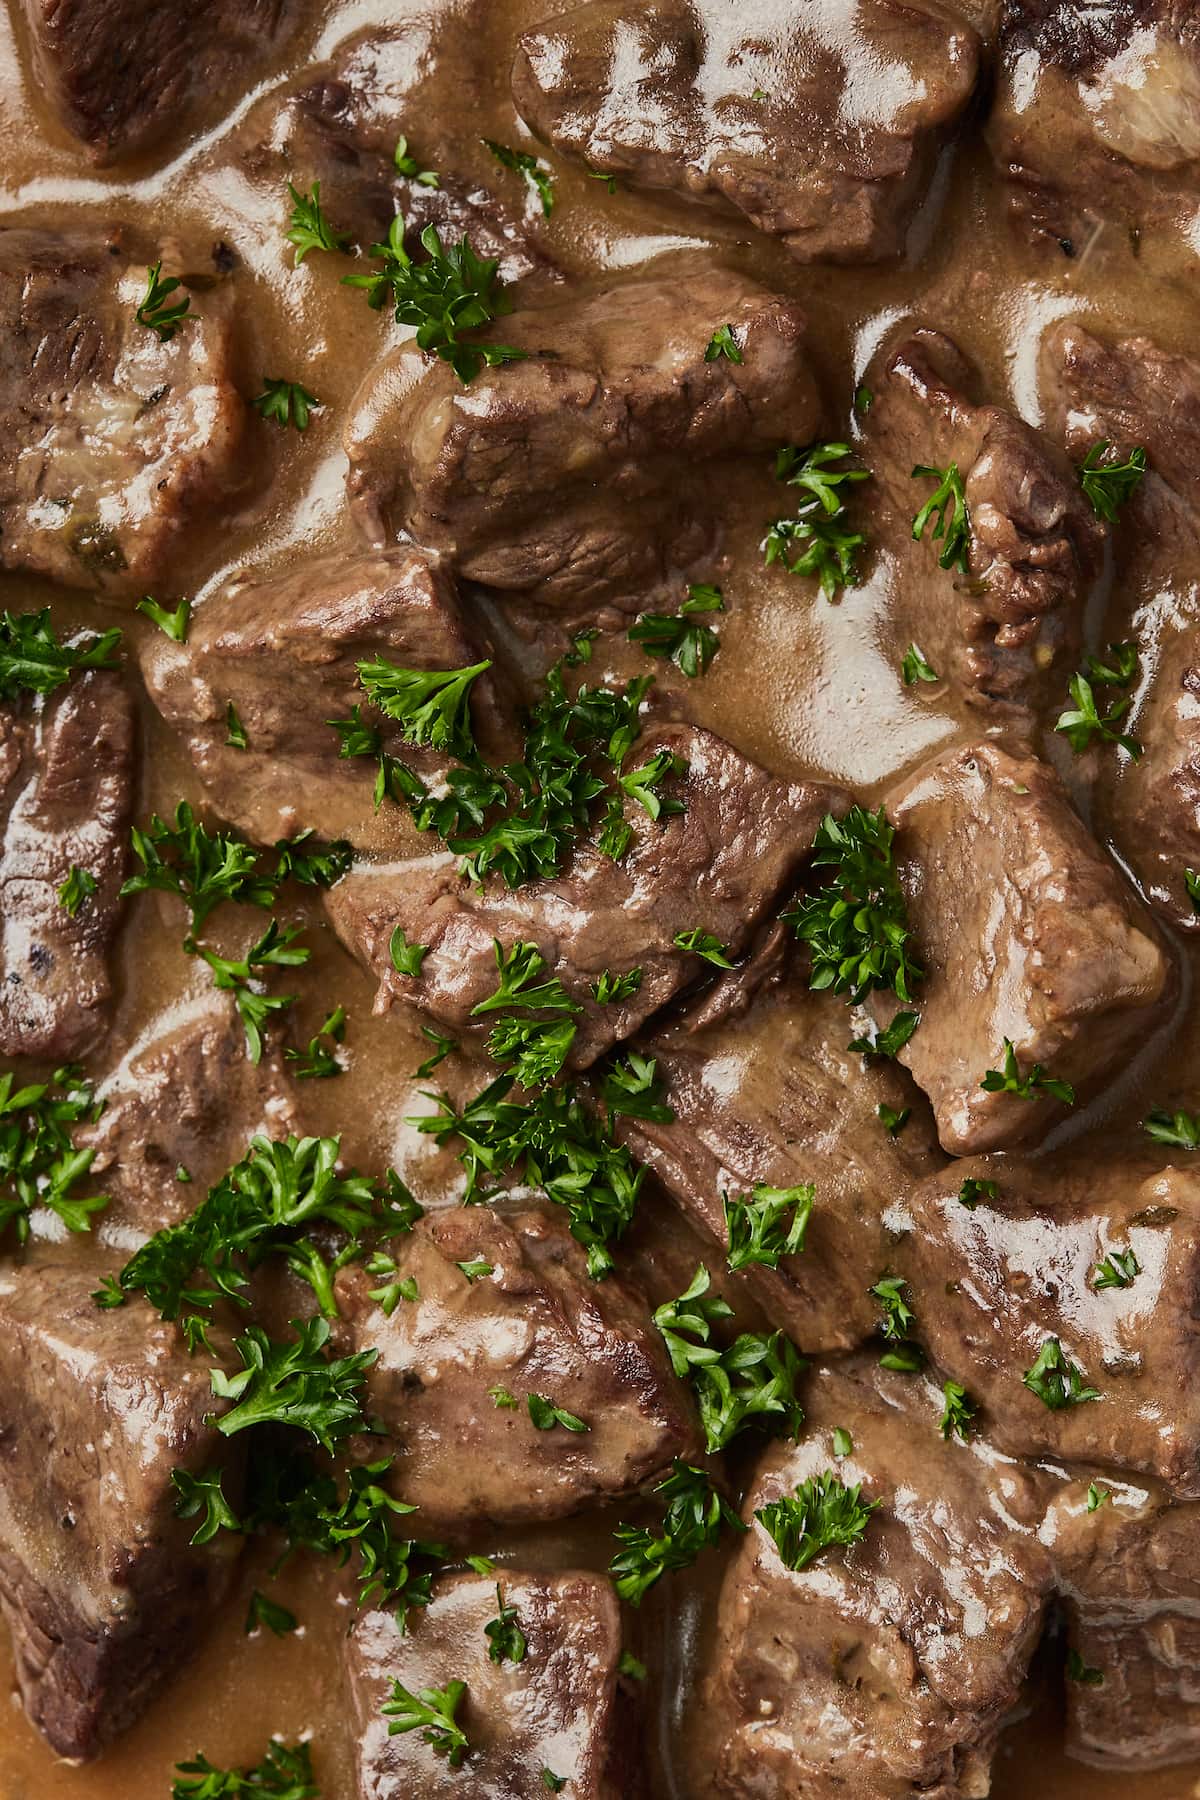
(849,718)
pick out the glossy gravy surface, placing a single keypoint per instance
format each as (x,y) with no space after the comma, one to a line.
(799,685)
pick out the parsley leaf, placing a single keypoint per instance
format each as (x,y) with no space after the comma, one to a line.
(77,890)
(285,1773)
(275,949)
(767,1224)
(609,989)
(816,535)
(1083,721)
(235,731)
(432,1712)
(893,1122)
(34,661)
(699,942)
(318,1062)
(263,1611)
(1025,1087)
(857,927)
(958,1413)
(633,1087)
(406,958)
(546,1414)
(947,508)
(408,166)
(174,623)
(293,1384)
(308,228)
(974,1189)
(431,704)
(1078,1670)
(915,668)
(286,402)
(1181,1129)
(689,645)
(203,1493)
(692,1521)
(822,1512)
(1108,483)
(39,1164)
(753,1380)
(204,868)
(1056,1380)
(536,175)
(156,311)
(506,1640)
(1121,668)
(890,1042)
(642,784)
(722,343)
(1096,1496)
(1117,1270)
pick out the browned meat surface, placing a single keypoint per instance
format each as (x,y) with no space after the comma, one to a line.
(284,653)
(451,1361)
(120,76)
(1132,393)
(555,1710)
(111,441)
(775,1096)
(1094,127)
(580,472)
(186,1098)
(885,1669)
(1008,631)
(1026,933)
(721,866)
(104,1598)
(993,1282)
(66,795)
(759,108)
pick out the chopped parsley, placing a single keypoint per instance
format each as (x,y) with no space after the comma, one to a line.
(893,1120)
(946,507)
(286,402)
(752,1381)
(633,1087)
(39,1164)
(1083,721)
(856,927)
(432,705)
(822,1512)
(692,1521)
(722,343)
(1181,1129)
(843,1443)
(308,228)
(407,165)
(157,311)
(285,1773)
(976,1188)
(915,668)
(958,1413)
(293,1384)
(890,1042)
(1026,1087)
(1109,482)
(235,731)
(432,1712)
(406,958)
(34,661)
(815,541)
(1096,1496)
(642,784)
(898,1316)
(769,1223)
(476,1270)
(203,1493)
(506,1640)
(242,977)
(171,620)
(1116,1270)
(609,989)
(318,1062)
(705,944)
(534,1048)
(1078,1670)
(263,1611)
(77,891)
(1056,1380)
(546,1414)
(688,644)
(537,176)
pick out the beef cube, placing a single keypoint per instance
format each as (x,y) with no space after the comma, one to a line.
(556,1709)
(457,1364)
(759,109)
(580,473)
(185,1098)
(1008,631)
(885,1669)
(66,794)
(284,652)
(120,76)
(104,1597)
(112,440)
(1027,934)
(720,865)
(775,1096)
(1094,128)
(1131,393)
(992,1282)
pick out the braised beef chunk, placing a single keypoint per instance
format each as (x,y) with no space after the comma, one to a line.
(1097,1253)
(759,108)
(66,794)
(284,653)
(458,1363)
(1132,394)
(555,1710)
(886,1668)
(719,866)
(103,1595)
(1008,627)
(1028,937)
(120,75)
(179,1110)
(580,472)
(1093,126)
(111,440)
(774,1096)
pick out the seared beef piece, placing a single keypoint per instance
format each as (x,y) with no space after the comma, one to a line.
(66,793)
(759,108)
(119,75)
(775,1096)
(104,1597)
(990,1284)
(1009,631)
(554,1710)
(1094,125)
(284,651)
(1026,932)
(721,865)
(109,439)
(187,1097)
(1133,393)
(580,472)
(534,1324)
(884,1669)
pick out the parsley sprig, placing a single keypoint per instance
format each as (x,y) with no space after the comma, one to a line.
(856,927)
(1083,721)
(156,309)
(1108,481)
(506,1640)
(39,1164)
(537,176)
(823,1512)
(286,402)
(308,228)
(947,509)
(432,1712)
(692,1521)
(1056,1380)
(285,1773)
(34,660)
(293,1384)
(432,705)
(534,1048)
(1180,1129)
(751,1381)
(815,541)
(769,1223)
(1028,1086)
(679,636)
